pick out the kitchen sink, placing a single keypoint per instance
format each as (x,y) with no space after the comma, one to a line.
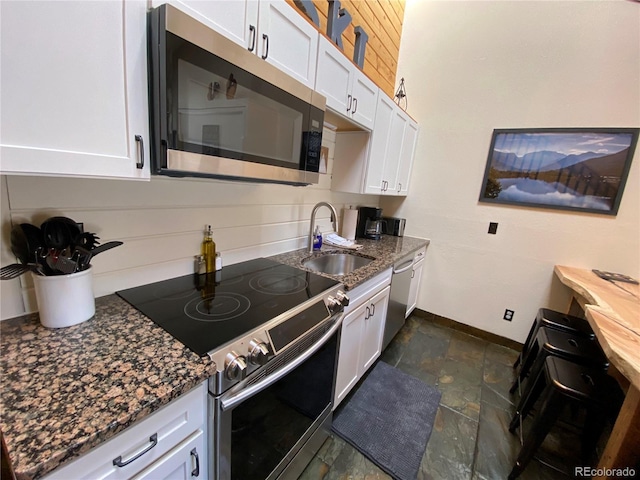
(336,263)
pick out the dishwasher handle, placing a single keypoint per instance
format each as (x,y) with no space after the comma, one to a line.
(403,267)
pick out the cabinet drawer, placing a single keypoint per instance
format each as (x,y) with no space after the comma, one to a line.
(155,436)
(419,255)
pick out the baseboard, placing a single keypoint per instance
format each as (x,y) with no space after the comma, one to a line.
(476,332)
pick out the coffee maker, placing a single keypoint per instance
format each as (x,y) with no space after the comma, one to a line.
(369,223)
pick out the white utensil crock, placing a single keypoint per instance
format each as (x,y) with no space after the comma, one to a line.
(65,300)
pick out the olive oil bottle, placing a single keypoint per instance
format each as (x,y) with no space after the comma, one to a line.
(208,251)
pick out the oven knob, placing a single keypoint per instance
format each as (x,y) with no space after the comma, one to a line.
(342,298)
(334,305)
(258,352)
(235,366)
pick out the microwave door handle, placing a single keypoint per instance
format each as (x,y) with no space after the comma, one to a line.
(265,39)
(237,398)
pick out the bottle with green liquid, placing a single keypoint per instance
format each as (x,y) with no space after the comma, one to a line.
(208,251)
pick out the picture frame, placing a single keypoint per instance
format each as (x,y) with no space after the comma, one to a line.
(579,169)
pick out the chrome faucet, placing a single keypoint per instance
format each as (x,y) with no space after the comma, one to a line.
(334,219)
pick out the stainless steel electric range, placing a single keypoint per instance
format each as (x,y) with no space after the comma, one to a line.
(273,331)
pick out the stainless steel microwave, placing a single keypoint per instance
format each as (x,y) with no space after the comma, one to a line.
(220,111)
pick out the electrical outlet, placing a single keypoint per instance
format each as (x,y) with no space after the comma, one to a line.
(493,228)
(508,315)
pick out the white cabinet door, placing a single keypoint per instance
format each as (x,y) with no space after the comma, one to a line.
(74,88)
(399,122)
(350,342)
(186,461)
(333,77)
(236,20)
(365,99)
(374,182)
(349,92)
(287,40)
(373,329)
(407,154)
(414,288)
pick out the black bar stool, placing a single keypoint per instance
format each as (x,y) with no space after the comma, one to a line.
(558,321)
(582,350)
(560,382)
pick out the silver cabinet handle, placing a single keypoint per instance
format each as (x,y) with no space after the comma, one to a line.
(140,144)
(196,471)
(404,267)
(252,37)
(366,317)
(355,104)
(118,462)
(350,100)
(265,39)
(399,187)
(373,309)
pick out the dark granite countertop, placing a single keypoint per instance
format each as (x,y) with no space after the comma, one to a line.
(67,390)
(385,252)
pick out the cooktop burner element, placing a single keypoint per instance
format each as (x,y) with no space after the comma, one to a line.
(207,312)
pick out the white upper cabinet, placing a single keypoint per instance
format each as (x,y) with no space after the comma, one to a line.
(409,141)
(349,92)
(379,162)
(236,20)
(74,89)
(271,29)
(286,40)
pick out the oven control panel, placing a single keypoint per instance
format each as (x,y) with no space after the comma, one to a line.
(240,358)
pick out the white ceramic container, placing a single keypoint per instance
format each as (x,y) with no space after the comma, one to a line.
(65,300)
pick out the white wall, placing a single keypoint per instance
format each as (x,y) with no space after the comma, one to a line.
(161,222)
(472,66)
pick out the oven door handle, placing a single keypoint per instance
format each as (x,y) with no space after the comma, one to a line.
(237,398)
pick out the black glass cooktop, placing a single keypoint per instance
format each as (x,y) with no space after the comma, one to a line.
(207,311)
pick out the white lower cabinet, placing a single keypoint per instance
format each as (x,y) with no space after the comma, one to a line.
(362,331)
(185,461)
(168,444)
(416,278)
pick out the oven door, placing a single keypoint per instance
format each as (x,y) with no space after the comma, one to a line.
(271,424)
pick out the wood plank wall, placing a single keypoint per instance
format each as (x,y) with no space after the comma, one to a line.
(382,20)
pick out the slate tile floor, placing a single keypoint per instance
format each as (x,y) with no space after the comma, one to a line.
(470,439)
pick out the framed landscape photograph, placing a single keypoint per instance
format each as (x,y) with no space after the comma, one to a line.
(583,169)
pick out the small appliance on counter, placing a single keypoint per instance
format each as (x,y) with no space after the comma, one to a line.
(369,223)
(393,226)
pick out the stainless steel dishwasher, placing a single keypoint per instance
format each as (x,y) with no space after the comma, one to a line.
(399,298)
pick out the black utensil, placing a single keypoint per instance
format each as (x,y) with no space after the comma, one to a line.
(86,240)
(34,239)
(59,232)
(20,244)
(104,246)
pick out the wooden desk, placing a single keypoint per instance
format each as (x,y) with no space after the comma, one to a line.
(613,311)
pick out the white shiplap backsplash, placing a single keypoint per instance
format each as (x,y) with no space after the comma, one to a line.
(161,222)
